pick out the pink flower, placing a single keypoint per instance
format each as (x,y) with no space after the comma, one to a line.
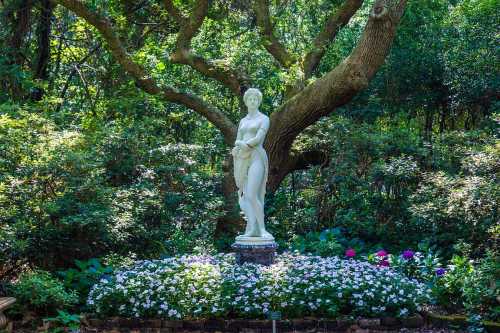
(350,253)
(382,254)
(384,263)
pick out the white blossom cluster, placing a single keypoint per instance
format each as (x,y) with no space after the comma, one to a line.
(208,287)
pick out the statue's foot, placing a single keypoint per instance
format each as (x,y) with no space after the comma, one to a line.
(267,235)
(252,233)
(258,233)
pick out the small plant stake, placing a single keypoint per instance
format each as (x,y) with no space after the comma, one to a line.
(274,315)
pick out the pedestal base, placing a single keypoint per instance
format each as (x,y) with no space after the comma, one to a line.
(255,253)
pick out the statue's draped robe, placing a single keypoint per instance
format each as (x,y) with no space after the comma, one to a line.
(242,161)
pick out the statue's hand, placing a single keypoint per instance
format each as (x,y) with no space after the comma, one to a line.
(242,144)
(241,149)
(234,151)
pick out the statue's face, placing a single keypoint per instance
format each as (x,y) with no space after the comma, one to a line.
(252,101)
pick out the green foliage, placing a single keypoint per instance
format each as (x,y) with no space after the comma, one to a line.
(64,320)
(40,292)
(448,289)
(388,188)
(471,44)
(105,190)
(322,244)
(462,207)
(82,278)
(471,286)
(481,288)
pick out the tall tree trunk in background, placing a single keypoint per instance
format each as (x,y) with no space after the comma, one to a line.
(18,18)
(43,52)
(428,123)
(442,119)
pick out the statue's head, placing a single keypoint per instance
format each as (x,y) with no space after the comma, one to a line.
(252,98)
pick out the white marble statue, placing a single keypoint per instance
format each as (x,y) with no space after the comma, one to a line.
(251,168)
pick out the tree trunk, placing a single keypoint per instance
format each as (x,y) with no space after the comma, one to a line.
(280,165)
(42,62)
(19,19)
(428,124)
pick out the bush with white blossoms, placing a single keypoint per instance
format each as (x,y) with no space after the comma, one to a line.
(215,287)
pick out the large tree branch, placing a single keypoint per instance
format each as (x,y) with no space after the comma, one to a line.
(237,82)
(211,113)
(341,84)
(333,25)
(175,12)
(270,41)
(189,25)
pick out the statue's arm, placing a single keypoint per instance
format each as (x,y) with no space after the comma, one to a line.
(239,136)
(238,133)
(237,142)
(261,134)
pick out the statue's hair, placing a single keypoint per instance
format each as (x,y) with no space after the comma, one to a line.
(252,91)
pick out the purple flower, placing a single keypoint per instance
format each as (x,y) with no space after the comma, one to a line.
(440,271)
(408,254)
(382,253)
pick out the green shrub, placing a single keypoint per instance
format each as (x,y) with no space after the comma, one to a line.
(450,208)
(40,292)
(64,321)
(448,288)
(481,288)
(104,191)
(471,286)
(385,186)
(323,244)
(82,278)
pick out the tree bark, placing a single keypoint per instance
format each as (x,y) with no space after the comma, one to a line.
(334,89)
(19,19)
(333,25)
(43,54)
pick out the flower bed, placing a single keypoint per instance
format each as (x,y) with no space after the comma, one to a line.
(193,287)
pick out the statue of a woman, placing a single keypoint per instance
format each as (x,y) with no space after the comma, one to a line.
(251,168)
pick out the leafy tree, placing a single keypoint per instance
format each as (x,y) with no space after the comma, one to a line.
(304,99)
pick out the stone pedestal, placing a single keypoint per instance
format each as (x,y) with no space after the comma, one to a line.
(255,253)
(5,303)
